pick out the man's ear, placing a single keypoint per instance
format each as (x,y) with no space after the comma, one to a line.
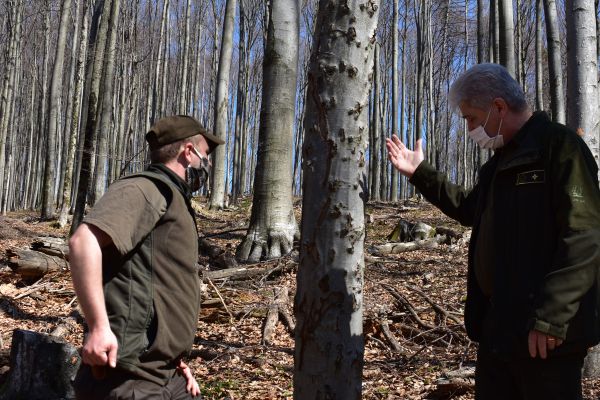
(501,106)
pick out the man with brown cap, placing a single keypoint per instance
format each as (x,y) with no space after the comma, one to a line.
(133,265)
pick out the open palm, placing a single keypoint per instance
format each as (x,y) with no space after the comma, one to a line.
(403,159)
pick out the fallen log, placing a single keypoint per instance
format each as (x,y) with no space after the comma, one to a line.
(42,367)
(53,246)
(395,248)
(32,264)
(275,308)
(454,383)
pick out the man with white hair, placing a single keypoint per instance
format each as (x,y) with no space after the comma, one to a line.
(533,298)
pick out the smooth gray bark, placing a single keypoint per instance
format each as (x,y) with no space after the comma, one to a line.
(217,195)
(394,127)
(329,351)
(97,40)
(106,117)
(272,223)
(7,93)
(582,72)
(183,104)
(376,145)
(557,99)
(73,124)
(539,66)
(480,32)
(48,197)
(507,36)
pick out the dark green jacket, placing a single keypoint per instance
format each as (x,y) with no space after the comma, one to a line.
(546,229)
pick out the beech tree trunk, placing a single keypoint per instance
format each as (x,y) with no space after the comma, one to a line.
(217,195)
(539,66)
(557,101)
(329,351)
(272,223)
(48,193)
(582,72)
(394,127)
(507,36)
(97,41)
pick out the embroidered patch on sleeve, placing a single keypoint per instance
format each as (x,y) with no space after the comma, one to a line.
(535,176)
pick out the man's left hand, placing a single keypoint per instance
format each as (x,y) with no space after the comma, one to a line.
(192,385)
(540,343)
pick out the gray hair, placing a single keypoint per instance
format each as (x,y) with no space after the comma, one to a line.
(481,84)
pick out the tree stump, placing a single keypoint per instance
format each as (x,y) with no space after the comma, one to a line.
(42,367)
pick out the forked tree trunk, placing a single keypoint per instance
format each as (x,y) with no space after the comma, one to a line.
(329,351)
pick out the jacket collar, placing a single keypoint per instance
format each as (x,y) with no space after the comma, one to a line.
(524,148)
(182,185)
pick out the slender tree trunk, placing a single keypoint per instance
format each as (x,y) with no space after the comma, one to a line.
(329,349)
(376,143)
(507,36)
(582,72)
(73,127)
(48,198)
(394,127)
(183,104)
(403,93)
(420,11)
(557,101)
(160,63)
(480,32)
(97,40)
(7,88)
(106,118)
(217,195)
(539,67)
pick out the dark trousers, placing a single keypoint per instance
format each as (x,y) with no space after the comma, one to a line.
(117,385)
(556,378)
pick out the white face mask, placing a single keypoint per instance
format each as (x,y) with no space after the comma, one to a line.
(480,136)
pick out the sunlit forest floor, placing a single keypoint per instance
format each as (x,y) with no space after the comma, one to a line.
(417,297)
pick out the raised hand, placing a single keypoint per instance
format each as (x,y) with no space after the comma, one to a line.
(403,159)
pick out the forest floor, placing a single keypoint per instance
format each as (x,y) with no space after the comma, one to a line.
(402,293)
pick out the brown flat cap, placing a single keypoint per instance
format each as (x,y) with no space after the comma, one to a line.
(178,127)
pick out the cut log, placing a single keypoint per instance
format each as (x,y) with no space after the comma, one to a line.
(32,264)
(42,367)
(395,248)
(53,246)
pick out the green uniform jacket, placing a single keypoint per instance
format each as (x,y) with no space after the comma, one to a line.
(545,224)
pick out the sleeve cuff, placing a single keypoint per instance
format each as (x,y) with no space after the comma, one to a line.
(549,329)
(421,174)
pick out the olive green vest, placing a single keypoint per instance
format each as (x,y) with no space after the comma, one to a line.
(152,294)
